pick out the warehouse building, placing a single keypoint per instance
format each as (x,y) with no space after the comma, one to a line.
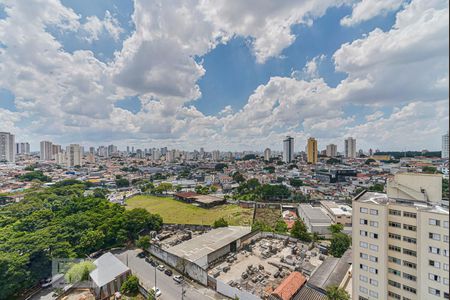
(315,218)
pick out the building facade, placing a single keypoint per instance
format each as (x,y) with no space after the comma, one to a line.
(350,147)
(7,145)
(267,154)
(331,150)
(74,154)
(288,149)
(23,148)
(46,151)
(444,153)
(311,151)
(400,247)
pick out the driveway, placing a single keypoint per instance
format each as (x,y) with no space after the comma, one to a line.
(169,288)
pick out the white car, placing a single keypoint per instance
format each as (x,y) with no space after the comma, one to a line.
(157,291)
(161,267)
(178,278)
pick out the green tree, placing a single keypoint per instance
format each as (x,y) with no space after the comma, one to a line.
(377,187)
(238,177)
(281,226)
(333,161)
(151,295)
(339,244)
(35,175)
(336,293)
(336,228)
(130,285)
(445,188)
(220,166)
(295,182)
(164,187)
(259,225)
(122,182)
(143,242)
(429,170)
(79,271)
(300,231)
(220,223)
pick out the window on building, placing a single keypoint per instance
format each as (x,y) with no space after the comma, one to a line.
(395,236)
(394,271)
(363,210)
(395,248)
(394,283)
(363,233)
(445,224)
(409,227)
(363,221)
(434,291)
(409,276)
(434,222)
(395,224)
(445,281)
(363,244)
(374,223)
(409,240)
(409,289)
(409,264)
(394,260)
(446,239)
(434,250)
(374,212)
(363,278)
(363,267)
(434,263)
(409,252)
(446,268)
(363,290)
(373,258)
(395,212)
(373,270)
(446,295)
(434,277)
(373,294)
(409,214)
(373,235)
(446,252)
(434,236)
(363,255)
(373,247)
(394,295)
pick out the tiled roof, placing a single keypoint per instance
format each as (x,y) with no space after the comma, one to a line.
(287,289)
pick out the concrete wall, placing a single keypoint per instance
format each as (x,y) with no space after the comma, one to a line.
(232,292)
(190,269)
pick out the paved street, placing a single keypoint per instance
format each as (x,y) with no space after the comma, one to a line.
(169,288)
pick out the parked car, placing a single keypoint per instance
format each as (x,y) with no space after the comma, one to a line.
(161,267)
(153,263)
(141,255)
(157,291)
(178,278)
(148,260)
(45,283)
(168,272)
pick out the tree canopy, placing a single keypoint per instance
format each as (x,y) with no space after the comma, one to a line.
(59,222)
(300,231)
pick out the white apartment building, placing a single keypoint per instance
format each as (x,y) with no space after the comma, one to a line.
(350,147)
(288,149)
(267,154)
(7,145)
(444,153)
(23,148)
(400,246)
(331,150)
(216,155)
(46,150)
(74,155)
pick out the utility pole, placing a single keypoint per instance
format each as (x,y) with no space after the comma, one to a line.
(183,291)
(155,277)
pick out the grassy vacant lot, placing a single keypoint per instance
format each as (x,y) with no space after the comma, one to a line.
(268,215)
(173,211)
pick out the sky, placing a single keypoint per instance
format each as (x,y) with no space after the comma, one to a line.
(225,74)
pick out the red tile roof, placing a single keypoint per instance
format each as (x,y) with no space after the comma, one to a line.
(287,289)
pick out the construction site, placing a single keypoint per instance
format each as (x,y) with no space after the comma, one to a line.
(262,265)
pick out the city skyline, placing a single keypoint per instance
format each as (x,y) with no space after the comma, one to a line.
(119,73)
